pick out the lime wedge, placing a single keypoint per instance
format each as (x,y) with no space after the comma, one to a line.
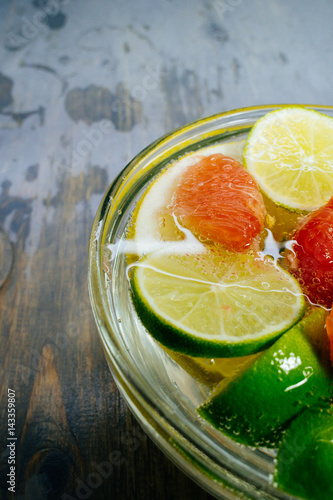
(290,154)
(214,303)
(255,407)
(305,457)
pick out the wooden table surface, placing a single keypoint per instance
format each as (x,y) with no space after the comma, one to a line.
(84,86)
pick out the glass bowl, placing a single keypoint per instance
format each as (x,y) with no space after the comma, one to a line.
(160,393)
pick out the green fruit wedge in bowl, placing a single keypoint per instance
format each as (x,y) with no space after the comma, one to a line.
(305,458)
(214,303)
(292,374)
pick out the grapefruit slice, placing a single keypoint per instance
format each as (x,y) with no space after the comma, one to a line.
(151,225)
(219,201)
(312,255)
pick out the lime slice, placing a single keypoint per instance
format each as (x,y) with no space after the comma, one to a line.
(214,304)
(305,457)
(150,225)
(290,154)
(255,407)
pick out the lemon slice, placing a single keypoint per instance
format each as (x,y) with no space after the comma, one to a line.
(214,304)
(150,225)
(289,152)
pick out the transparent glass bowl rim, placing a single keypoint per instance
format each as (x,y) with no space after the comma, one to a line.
(138,394)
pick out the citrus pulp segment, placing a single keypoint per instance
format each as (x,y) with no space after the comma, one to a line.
(289,152)
(311,257)
(214,304)
(219,202)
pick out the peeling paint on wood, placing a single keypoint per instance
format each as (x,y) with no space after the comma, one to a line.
(93,104)
(6,85)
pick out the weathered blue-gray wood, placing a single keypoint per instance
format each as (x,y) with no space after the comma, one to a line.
(84,86)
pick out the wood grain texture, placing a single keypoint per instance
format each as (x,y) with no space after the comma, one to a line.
(83,88)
